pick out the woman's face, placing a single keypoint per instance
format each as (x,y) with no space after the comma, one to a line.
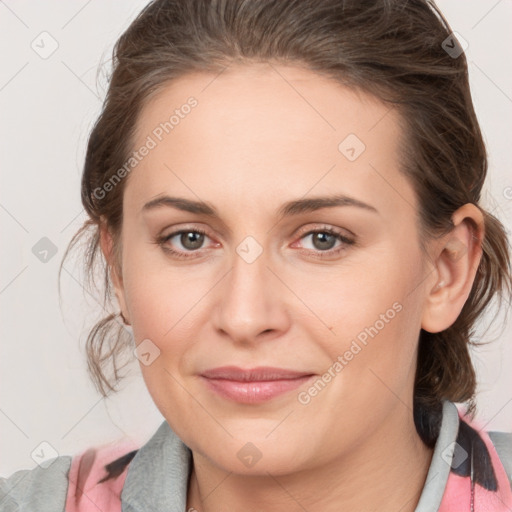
(259,159)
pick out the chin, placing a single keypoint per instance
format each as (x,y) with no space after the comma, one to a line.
(255,455)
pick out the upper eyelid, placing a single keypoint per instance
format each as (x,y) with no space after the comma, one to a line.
(325,227)
(300,232)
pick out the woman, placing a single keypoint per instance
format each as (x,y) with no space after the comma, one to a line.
(286,194)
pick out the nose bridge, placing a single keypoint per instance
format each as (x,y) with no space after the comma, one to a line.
(249,302)
(248,280)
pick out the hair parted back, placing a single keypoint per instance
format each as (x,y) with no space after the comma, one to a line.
(389,48)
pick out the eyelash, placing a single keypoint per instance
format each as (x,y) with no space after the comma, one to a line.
(161,241)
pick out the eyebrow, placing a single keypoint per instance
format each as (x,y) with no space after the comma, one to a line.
(295,207)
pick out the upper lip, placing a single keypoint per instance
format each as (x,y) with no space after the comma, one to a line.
(260,373)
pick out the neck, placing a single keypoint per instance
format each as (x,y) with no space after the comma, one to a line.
(386,472)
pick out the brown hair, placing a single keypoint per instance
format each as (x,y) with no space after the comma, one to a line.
(397,50)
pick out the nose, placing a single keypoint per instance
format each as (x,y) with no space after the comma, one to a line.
(251,304)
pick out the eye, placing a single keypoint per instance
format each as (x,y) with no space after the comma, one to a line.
(322,242)
(191,241)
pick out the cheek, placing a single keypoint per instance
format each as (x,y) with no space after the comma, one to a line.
(370,317)
(162,304)
(166,303)
(367,295)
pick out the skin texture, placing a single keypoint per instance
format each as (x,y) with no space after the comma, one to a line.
(262,135)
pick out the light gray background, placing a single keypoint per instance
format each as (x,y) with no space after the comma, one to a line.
(48,106)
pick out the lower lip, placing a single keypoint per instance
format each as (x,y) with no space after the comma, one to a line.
(255,391)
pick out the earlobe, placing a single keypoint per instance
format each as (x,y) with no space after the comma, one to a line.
(457,259)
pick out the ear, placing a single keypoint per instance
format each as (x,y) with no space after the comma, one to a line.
(456,259)
(107,247)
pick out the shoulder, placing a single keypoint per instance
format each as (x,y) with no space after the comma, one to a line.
(41,488)
(484,455)
(96,477)
(91,480)
(502,442)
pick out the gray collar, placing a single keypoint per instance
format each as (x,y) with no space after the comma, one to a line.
(158,475)
(440,466)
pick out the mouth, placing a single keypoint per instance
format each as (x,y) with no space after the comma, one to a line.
(255,385)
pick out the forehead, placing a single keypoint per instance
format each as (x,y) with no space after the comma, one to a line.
(263,130)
